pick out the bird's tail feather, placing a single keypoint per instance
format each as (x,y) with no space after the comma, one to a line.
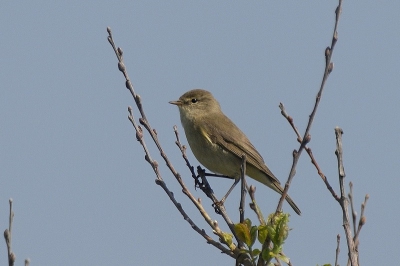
(277,187)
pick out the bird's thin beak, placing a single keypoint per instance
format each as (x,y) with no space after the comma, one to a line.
(178,102)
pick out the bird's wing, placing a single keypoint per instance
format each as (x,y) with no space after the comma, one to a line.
(238,147)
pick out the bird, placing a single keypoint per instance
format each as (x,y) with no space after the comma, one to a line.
(218,144)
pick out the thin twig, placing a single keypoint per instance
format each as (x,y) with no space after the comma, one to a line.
(218,206)
(337,250)
(343,199)
(159,181)
(205,187)
(309,151)
(353,211)
(361,223)
(243,188)
(254,206)
(307,137)
(8,235)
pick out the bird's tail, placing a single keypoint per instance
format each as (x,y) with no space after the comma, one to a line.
(277,187)
(293,205)
(268,179)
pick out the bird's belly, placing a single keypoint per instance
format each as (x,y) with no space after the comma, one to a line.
(215,158)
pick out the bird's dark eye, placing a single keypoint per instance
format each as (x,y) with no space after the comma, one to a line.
(194,100)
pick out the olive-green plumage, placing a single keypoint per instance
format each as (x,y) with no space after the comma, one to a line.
(218,143)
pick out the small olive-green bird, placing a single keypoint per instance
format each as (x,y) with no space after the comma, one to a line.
(219,144)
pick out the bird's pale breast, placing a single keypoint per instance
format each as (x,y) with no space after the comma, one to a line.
(209,154)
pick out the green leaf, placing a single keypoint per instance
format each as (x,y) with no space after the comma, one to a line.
(278,229)
(256,252)
(283,258)
(247,221)
(227,238)
(243,233)
(253,235)
(262,233)
(266,255)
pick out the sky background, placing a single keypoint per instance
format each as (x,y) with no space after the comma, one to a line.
(83,194)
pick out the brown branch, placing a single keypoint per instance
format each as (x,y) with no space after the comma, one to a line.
(205,187)
(361,222)
(343,199)
(353,211)
(337,250)
(254,206)
(309,151)
(243,188)
(232,251)
(8,236)
(307,137)
(161,183)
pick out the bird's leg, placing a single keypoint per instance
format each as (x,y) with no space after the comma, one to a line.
(217,175)
(229,191)
(201,173)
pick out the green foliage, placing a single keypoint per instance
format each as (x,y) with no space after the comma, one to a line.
(276,230)
(227,238)
(246,232)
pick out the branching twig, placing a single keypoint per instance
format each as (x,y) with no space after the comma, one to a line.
(309,151)
(343,199)
(353,211)
(232,251)
(352,242)
(307,137)
(361,222)
(202,183)
(205,187)
(254,205)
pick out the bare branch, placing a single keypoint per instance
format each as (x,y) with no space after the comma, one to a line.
(353,211)
(243,188)
(309,151)
(307,137)
(361,223)
(337,250)
(8,236)
(254,205)
(343,199)
(232,251)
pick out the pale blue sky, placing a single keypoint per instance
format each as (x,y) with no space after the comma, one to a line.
(82,191)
